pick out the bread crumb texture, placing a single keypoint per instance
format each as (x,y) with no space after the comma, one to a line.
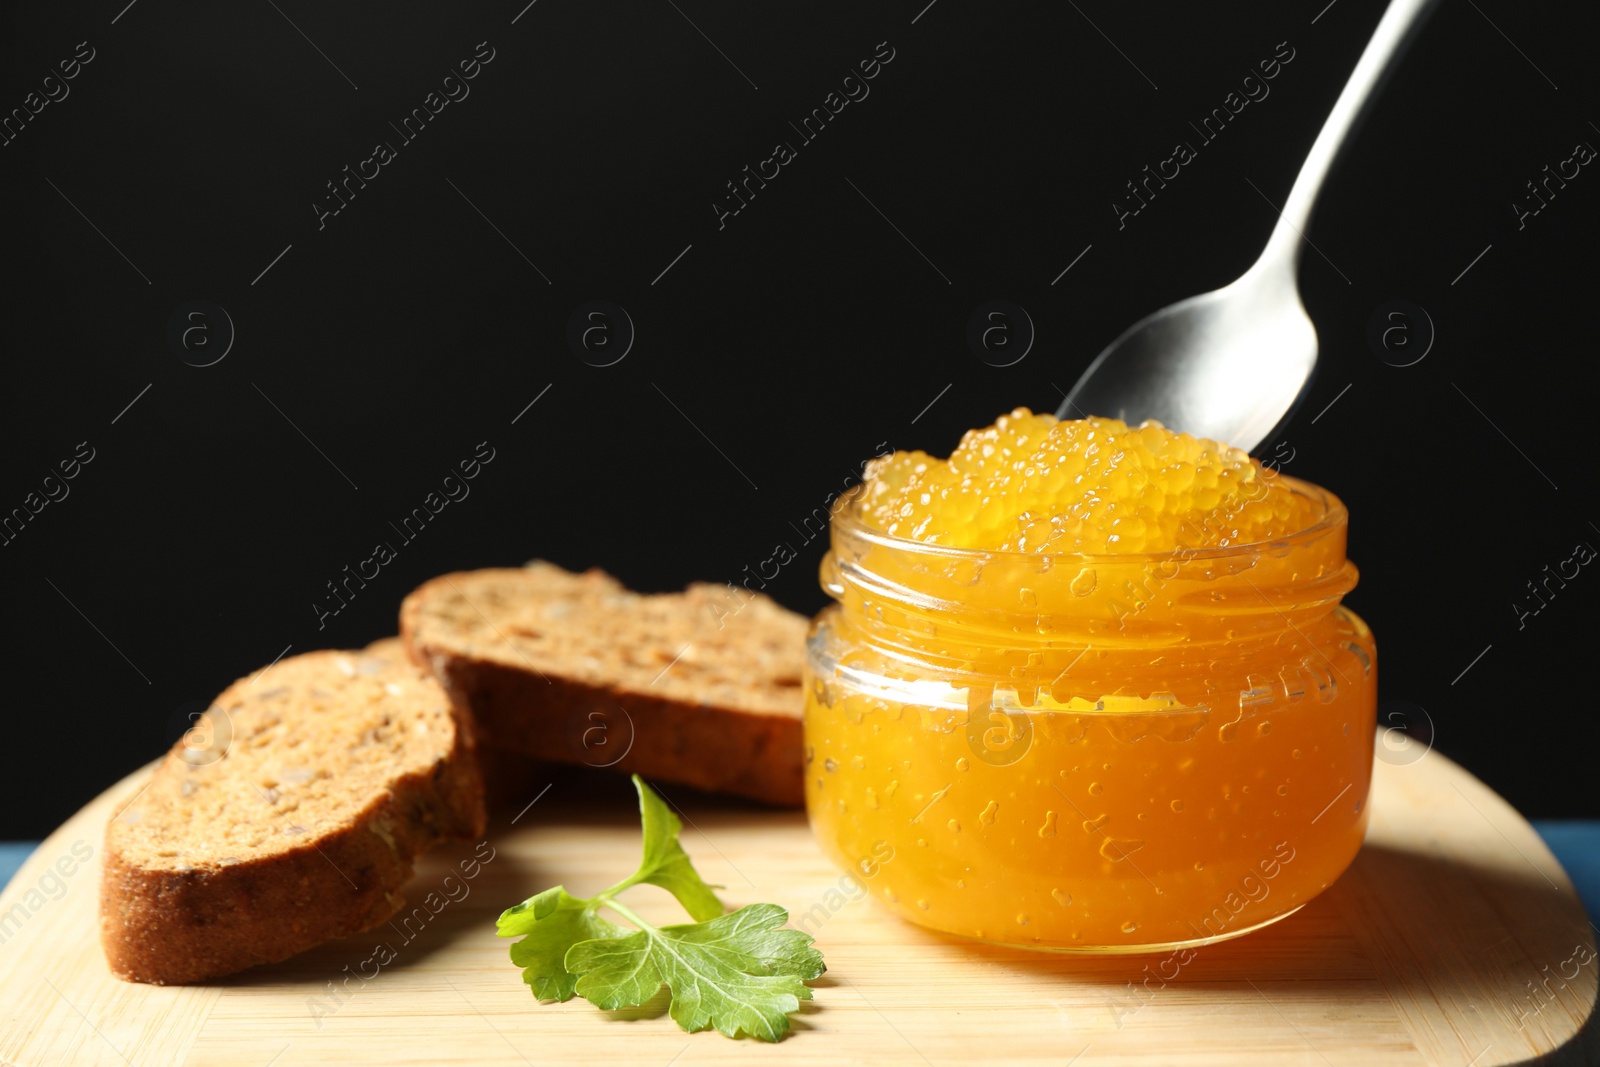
(709,645)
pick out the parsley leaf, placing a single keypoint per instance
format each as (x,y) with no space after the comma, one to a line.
(554,921)
(723,973)
(742,973)
(665,863)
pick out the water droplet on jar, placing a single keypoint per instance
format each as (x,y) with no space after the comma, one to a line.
(872,799)
(923,904)
(888,790)
(890,895)
(1117,849)
(1283,790)
(1061,898)
(811,755)
(1027,598)
(1022,920)
(1264,729)
(830,764)
(1199,865)
(1129,927)
(1228,732)
(955,827)
(963,764)
(858,762)
(1095,789)
(1295,754)
(1177,805)
(1049,827)
(922,842)
(987,815)
(1084,583)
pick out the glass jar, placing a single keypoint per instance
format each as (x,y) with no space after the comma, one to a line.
(1099,754)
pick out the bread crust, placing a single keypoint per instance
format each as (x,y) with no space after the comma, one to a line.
(166,925)
(549,716)
(718,750)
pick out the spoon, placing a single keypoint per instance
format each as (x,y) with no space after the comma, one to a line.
(1234,363)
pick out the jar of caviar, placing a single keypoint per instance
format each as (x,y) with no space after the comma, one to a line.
(1098,753)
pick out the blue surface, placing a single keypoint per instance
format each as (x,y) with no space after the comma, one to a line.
(1576,844)
(12,853)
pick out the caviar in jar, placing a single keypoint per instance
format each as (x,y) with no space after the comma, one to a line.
(1090,687)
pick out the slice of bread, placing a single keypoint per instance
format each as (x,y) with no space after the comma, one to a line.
(289,815)
(700,687)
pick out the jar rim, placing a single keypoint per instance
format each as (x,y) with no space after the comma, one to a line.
(848,521)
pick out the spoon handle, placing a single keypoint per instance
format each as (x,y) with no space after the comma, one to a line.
(1375,61)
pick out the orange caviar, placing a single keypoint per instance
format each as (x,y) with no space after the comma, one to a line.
(1033,483)
(1090,687)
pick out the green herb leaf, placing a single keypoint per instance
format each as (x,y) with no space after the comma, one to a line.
(553,921)
(742,973)
(739,973)
(665,863)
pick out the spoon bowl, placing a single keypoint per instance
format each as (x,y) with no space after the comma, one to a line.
(1229,364)
(1234,363)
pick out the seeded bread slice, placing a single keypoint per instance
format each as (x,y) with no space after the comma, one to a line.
(288,816)
(700,687)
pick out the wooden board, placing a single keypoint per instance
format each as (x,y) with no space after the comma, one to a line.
(1446,943)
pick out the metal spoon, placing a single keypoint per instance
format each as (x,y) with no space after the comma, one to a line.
(1232,364)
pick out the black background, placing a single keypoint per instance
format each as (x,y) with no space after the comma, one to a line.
(779,350)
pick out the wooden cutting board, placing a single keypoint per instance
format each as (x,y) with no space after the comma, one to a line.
(1456,938)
